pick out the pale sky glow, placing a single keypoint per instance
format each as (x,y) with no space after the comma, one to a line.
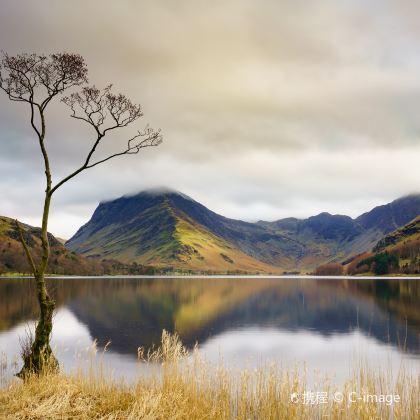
(269,108)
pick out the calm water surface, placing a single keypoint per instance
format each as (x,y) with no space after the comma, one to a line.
(325,324)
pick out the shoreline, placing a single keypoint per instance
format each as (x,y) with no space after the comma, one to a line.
(218,276)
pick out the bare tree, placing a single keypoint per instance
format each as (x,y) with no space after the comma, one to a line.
(37,80)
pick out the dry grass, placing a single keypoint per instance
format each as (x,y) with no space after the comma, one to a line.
(189,388)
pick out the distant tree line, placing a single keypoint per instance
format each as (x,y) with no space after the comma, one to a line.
(331,269)
(380,264)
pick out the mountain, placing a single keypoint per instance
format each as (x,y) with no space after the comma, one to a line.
(397,252)
(390,217)
(328,238)
(62,261)
(168,229)
(408,234)
(403,244)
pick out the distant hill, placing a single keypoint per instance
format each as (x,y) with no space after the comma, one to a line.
(390,217)
(62,260)
(408,234)
(341,236)
(169,229)
(396,253)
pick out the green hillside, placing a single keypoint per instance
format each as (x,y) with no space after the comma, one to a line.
(170,230)
(163,236)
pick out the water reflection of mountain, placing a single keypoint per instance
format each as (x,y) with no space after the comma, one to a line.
(295,313)
(212,308)
(133,312)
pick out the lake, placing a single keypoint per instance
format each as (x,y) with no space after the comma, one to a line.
(327,325)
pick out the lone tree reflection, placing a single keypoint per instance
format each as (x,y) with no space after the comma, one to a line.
(38,80)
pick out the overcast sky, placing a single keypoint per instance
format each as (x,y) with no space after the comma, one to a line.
(269,108)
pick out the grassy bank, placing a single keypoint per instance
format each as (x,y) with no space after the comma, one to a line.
(192,389)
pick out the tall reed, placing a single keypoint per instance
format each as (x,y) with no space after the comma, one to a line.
(189,387)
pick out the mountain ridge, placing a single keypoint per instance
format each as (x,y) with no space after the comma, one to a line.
(167,228)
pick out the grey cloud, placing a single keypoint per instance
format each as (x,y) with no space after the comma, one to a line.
(269,108)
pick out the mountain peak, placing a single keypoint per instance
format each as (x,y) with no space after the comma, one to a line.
(158,192)
(389,217)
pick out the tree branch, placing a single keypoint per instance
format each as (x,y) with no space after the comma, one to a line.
(93,107)
(154,138)
(25,78)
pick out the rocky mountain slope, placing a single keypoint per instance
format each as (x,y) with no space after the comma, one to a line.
(168,229)
(396,253)
(407,235)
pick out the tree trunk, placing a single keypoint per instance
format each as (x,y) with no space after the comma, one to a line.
(39,357)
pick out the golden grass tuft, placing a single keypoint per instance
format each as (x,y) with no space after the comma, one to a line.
(190,388)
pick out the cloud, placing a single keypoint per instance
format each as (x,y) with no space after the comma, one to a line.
(268,108)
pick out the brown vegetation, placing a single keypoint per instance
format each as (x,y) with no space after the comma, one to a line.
(331,269)
(190,388)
